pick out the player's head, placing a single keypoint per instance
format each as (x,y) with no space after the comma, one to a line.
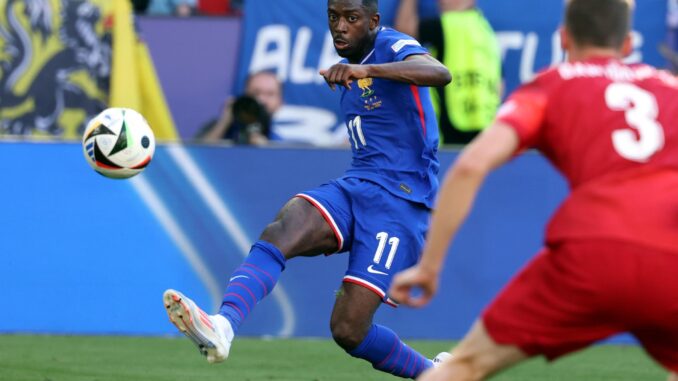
(602,24)
(265,87)
(353,24)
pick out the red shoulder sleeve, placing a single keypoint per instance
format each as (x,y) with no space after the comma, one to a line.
(524,111)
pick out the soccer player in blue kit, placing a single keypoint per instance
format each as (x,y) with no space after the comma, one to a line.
(378,211)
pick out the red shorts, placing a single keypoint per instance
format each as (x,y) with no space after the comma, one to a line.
(574,294)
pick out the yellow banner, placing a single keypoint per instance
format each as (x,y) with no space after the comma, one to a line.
(134,83)
(57,67)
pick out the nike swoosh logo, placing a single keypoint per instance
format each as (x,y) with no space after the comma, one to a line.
(238,276)
(370,269)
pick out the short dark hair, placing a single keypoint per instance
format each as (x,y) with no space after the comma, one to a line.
(601,23)
(371,5)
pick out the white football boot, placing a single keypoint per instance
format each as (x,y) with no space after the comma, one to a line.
(440,357)
(212,334)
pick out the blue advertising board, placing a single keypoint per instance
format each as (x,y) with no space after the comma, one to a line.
(102,251)
(291,38)
(527,31)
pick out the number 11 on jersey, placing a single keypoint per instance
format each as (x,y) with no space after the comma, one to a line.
(355,129)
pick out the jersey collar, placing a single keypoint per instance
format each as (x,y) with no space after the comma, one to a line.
(368,55)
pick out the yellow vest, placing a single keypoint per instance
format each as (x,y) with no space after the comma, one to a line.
(472,56)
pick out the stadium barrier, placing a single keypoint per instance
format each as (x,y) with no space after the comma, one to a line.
(201,61)
(83,254)
(291,39)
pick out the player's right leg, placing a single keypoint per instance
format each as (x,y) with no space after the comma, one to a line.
(299,230)
(211,334)
(475,358)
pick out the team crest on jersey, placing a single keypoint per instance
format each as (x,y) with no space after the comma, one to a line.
(364,84)
(371,101)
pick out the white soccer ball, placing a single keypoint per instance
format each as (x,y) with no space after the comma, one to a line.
(118,143)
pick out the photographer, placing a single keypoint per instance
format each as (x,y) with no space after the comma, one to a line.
(247,118)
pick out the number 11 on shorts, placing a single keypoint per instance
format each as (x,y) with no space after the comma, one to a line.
(383,240)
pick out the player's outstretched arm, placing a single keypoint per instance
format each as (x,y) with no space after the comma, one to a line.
(418,69)
(493,147)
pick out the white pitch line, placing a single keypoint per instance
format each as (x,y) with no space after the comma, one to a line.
(230,224)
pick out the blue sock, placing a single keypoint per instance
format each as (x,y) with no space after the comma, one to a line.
(384,349)
(251,282)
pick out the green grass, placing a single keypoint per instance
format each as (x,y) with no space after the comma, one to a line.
(77,358)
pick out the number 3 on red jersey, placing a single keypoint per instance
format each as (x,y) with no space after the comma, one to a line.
(641,112)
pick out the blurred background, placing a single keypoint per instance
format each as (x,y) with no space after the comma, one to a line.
(244,122)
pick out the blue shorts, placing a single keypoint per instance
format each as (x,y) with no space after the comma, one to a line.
(383,233)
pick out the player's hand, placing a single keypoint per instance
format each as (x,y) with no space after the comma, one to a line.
(343,74)
(413,278)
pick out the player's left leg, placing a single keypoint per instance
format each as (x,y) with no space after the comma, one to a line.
(475,358)
(388,234)
(651,305)
(353,330)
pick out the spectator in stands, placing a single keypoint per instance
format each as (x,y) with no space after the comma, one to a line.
(238,5)
(247,119)
(220,7)
(463,40)
(140,6)
(181,8)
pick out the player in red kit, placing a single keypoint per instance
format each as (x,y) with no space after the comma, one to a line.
(611,250)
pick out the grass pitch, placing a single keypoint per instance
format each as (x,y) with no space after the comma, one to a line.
(78,358)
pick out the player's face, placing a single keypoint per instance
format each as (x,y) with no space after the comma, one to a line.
(352,26)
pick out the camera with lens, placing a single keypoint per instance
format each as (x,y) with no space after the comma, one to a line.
(249,118)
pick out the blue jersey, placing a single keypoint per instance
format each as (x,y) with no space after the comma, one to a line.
(392,126)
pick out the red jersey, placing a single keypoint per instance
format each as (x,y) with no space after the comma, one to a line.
(612,130)
(214,7)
